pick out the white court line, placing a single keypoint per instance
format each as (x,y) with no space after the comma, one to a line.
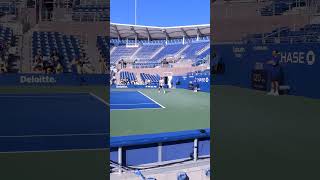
(45,151)
(57,95)
(55,135)
(130,104)
(152,99)
(134,109)
(100,99)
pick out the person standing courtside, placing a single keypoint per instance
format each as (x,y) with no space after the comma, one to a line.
(275,73)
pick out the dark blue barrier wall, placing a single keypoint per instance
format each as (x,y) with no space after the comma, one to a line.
(134,86)
(142,149)
(202,80)
(299,63)
(45,79)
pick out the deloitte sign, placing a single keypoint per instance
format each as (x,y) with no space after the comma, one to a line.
(35,79)
(298,57)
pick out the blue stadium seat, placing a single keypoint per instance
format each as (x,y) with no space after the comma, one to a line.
(67,46)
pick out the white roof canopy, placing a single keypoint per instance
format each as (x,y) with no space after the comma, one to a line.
(128,31)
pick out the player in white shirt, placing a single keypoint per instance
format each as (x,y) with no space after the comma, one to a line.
(161,85)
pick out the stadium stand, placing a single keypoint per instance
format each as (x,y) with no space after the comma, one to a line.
(67,47)
(279,7)
(169,50)
(149,78)
(7,7)
(8,59)
(90,12)
(309,33)
(127,77)
(151,55)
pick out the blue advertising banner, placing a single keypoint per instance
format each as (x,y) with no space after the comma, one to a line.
(202,81)
(48,79)
(299,65)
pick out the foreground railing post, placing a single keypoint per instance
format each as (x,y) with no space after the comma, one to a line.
(195,149)
(120,159)
(160,152)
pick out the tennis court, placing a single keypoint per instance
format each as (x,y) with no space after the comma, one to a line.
(126,100)
(146,111)
(63,131)
(47,122)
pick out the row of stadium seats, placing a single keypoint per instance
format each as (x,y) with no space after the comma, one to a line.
(127,77)
(118,42)
(90,13)
(169,50)
(309,33)
(6,35)
(8,60)
(103,46)
(122,52)
(67,46)
(149,77)
(278,7)
(46,42)
(7,7)
(154,53)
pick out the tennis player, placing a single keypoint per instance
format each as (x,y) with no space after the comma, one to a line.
(161,85)
(275,73)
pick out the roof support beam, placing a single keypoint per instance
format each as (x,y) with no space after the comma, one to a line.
(135,33)
(118,32)
(166,34)
(198,33)
(149,35)
(185,33)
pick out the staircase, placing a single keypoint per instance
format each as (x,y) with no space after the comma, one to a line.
(112,50)
(157,52)
(203,50)
(134,54)
(138,78)
(92,51)
(181,51)
(26,52)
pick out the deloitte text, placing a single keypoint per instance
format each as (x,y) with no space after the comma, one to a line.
(37,79)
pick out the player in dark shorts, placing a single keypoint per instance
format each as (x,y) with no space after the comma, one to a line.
(275,73)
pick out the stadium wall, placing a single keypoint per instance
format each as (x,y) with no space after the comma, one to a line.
(202,80)
(183,82)
(299,63)
(144,149)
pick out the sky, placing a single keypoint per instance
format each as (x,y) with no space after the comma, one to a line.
(161,12)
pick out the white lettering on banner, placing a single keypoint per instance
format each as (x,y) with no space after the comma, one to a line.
(238,51)
(260,48)
(121,86)
(202,79)
(150,86)
(298,57)
(37,79)
(311,58)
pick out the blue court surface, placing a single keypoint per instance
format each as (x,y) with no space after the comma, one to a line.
(53,122)
(129,100)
